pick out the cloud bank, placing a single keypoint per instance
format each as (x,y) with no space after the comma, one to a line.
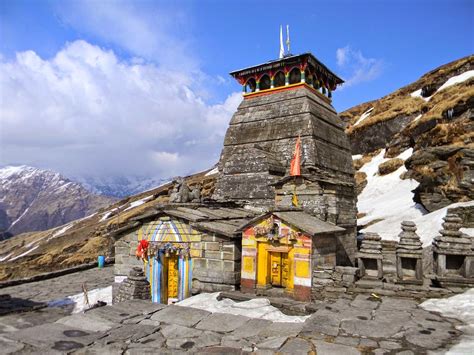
(85,112)
(356,67)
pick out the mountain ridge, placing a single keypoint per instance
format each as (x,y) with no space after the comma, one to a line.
(33,199)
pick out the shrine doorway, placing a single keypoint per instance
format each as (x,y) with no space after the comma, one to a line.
(279,269)
(170,289)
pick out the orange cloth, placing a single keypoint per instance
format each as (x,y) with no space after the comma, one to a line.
(142,249)
(295,167)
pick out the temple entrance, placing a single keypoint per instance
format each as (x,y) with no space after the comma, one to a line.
(170,279)
(279,269)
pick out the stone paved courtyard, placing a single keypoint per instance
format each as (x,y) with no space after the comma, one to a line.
(349,325)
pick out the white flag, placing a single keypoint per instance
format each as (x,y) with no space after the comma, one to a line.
(282,49)
(288,37)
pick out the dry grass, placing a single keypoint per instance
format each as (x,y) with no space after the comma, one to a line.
(390,166)
(401,102)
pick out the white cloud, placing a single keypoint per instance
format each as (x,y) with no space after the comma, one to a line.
(356,67)
(157,32)
(86,112)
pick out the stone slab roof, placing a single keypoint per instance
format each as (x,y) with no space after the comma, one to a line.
(220,219)
(303,221)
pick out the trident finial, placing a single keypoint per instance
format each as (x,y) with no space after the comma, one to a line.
(288,38)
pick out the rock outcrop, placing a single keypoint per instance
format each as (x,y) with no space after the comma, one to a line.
(433,118)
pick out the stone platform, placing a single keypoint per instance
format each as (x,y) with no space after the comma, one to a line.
(360,325)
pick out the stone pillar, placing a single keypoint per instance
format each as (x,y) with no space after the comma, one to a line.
(409,255)
(369,257)
(134,287)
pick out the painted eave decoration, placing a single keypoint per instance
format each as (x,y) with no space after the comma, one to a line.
(301,220)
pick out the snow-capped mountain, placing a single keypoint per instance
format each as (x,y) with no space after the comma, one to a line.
(33,199)
(120,186)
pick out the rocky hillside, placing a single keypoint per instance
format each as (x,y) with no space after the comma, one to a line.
(82,240)
(32,199)
(434,117)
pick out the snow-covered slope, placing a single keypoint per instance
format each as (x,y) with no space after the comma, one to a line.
(387,200)
(34,199)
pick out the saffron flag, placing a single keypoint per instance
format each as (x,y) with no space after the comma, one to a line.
(295,166)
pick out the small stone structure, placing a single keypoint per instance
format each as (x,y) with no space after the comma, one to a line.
(279,250)
(409,255)
(192,248)
(134,287)
(369,257)
(453,254)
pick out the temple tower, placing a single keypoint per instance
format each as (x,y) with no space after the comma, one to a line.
(285,99)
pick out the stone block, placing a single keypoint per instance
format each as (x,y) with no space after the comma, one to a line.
(212,246)
(199,264)
(212,254)
(230,266)
(215,265)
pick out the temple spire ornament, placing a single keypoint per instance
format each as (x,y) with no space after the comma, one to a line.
(282,48)
(288,38)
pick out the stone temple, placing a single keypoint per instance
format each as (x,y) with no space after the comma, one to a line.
(264,230)
(283,100)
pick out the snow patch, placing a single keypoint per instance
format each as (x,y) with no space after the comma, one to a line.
(357,156)
(79,301)
(138,202)
(213,171)
(364,116)
(61,231)
(257,308)
(460,307)
(417,93)
(25,253)
(387,198)
(106,215)
(417,118)
(16,220)
(457,79)
(4,258)
(119,279)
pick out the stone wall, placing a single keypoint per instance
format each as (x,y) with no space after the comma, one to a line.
(216,264)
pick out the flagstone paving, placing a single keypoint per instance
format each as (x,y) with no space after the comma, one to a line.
(362,325)
(61,286)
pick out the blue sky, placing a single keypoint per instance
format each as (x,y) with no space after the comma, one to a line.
(141,66)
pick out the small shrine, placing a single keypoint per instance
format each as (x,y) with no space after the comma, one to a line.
(453,254)
(409,252)
(369,257)
(182,248)
(280,250)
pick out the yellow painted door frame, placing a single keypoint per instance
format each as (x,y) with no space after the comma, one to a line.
(275,267)
(170,277)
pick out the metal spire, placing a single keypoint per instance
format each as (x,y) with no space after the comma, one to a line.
(288,38)
(282,48)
